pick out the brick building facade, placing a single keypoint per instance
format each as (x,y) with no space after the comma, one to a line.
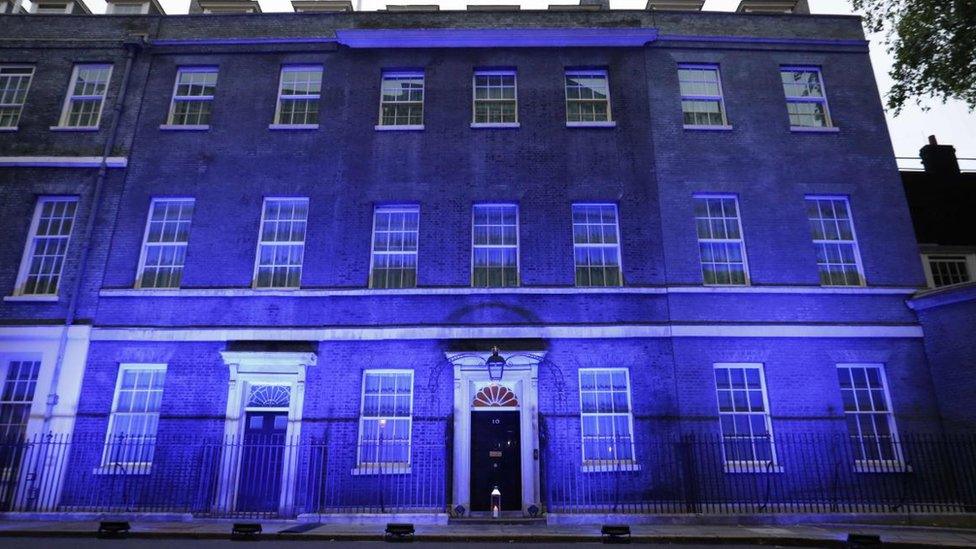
(313,229)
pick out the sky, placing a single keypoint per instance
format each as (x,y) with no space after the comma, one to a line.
(952,123)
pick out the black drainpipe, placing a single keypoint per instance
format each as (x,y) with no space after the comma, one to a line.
(132,46)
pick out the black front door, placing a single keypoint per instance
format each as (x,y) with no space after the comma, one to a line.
(496,459)
(262,458)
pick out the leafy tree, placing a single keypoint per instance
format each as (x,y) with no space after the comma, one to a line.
(933,43)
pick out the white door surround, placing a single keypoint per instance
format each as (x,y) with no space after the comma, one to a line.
(262,368)
(521,375)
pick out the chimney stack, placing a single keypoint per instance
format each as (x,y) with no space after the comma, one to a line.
(939,160)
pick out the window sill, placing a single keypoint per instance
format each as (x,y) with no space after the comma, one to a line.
(881,467)
(73,128)
(708,128)
(607,124)
(814,129)
(414,127)
(264,289)
(9,129)
(133,469)
(293,126)
(751,467)
(618,467)
(29,298)
(185,127)
(381,470)
(499,125)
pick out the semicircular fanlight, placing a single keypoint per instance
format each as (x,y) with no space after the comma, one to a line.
(269,396)
(494,396)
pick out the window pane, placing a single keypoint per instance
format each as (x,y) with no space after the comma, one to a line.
(402,99)
(701,96)
(605,419)
(48,245)
(135,416)
(298,96)
(596,245)
(14,84)
(720,243)
(587,97)
(494,98)
(870,422)
(86,95)
(805,99)
(281,244)
(494,245)
(832,231)
(395,239)
(743,418)
(384,432)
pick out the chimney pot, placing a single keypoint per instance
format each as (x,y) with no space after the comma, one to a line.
(940,160)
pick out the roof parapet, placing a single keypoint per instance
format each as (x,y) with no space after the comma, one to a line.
(320,6)
(223,7)
(773,6)
(133,7)
(675,5)
(55,7)
(494,7)
(412,7)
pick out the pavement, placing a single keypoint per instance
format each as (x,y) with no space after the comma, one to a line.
(803,535)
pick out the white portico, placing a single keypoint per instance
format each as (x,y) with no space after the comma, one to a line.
(520,380)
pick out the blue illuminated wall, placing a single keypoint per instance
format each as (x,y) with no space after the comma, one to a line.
(647,164)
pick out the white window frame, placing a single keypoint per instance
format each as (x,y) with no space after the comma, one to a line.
(382,467)
(828,119)
(611,464)
(146,244)
(423,99)
(315,97)
(70,97)
(862,280)
(518,243)
(113,8)
(968,257)
(896,465)
(720,98)
(748,466)
(121,467)
(474,98)
(741,240)
(39,8)
(29,247)
(620,253)
(393,208)
(171,117)
(257,253)
(5,362)
(18,106)
(605,73)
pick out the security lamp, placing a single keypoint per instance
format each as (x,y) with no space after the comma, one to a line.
(496,365)
(245,529)
(399,530)
(113,528)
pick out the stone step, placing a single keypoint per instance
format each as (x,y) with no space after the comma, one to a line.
(521,521)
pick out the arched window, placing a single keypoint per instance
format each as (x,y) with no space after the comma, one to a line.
(495,396)
(269,396)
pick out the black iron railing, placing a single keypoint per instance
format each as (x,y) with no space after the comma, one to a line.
(275,477)
(810,473)
(253,477)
